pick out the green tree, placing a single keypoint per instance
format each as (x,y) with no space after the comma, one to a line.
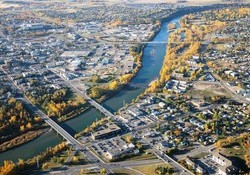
(103,171)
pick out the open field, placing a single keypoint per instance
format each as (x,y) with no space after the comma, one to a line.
(125,171)
(149,169)
(208,88)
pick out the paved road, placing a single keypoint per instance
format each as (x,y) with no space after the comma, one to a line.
(103,110)
(74,142)
(124,164)
(197,150)
(235,95)
(177,167)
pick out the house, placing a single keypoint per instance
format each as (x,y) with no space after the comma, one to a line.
(162,104)
(163,146)
(198,102)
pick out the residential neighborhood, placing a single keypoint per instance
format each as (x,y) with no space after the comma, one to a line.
(124,87)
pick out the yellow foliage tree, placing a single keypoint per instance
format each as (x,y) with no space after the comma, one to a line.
(113,85)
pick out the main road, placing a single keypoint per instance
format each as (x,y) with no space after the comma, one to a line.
(169,160)
(99,107)
(181,169)
(70,139)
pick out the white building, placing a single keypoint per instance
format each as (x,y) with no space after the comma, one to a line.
(226,166)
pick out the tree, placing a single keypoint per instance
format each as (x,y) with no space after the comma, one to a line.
(139,146)
(158,126)
(128,138)
(29,125)
(162,170)
(11,101)
(12,119)
(82,171)
(8,168)
(113,85)
(96,92)
(38,119)
(216,116)
(96,79)
(21,163)
(22,128)
(75,159)
(220,143)
(103,171)
(45,166)
(125,78)
(207,127)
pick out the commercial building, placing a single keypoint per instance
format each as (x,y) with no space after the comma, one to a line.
(108,130)
(226,166)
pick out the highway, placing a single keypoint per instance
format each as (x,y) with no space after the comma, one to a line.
(70,139)
(125,164)
(179,169)
(92,157)
(99,107)
(76,144)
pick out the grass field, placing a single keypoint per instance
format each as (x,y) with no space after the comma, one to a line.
(149,169)
(123,171)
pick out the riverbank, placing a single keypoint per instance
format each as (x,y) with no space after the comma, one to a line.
(123,81)
(33,134)
(22,139)
(151,65)
(179,12)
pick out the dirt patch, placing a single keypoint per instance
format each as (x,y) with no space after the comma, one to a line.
(205,89)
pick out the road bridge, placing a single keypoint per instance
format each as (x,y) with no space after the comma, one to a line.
(69,138)
(95,104)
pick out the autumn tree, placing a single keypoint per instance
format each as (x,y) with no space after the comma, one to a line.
(8,168)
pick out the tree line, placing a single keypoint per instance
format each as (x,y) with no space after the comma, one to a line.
(15,119)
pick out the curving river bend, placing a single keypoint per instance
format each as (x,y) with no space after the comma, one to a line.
(152,62)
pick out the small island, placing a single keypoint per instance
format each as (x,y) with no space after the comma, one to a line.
(171,27)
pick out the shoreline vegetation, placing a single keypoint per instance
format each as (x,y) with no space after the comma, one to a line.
(10,168)
(180,50)
(25,132)
(115,87)
(102,93)
(22,139)
(136,52)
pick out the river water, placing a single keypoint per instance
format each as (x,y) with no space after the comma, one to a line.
(152,62)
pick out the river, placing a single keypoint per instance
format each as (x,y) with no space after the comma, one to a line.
(152,62)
